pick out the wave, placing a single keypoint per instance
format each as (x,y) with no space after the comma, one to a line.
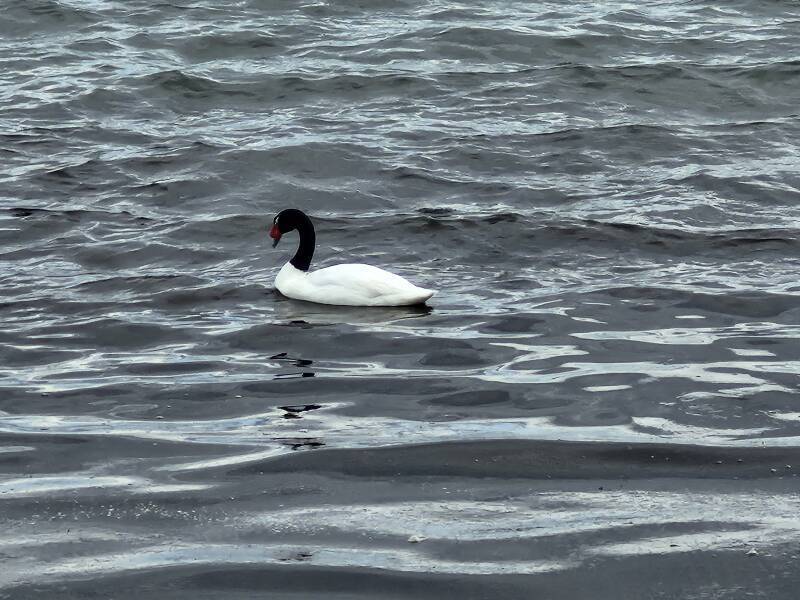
(276,87)
(590,230)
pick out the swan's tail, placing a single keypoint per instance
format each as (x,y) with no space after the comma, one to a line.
(422,296)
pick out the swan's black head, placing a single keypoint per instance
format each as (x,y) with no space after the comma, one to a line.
(289,220)
(286,221)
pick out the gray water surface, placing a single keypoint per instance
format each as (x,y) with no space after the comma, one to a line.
(602,401)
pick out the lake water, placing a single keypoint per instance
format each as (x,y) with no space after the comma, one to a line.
(602,401)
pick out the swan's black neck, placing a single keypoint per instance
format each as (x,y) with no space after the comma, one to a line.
(296,219)
(302,258)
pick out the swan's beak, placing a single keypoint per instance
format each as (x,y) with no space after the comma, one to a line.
(275,234)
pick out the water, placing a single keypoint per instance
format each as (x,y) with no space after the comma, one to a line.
(602,402)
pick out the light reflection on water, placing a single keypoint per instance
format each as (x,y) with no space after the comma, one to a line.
(358,432)
(614,523)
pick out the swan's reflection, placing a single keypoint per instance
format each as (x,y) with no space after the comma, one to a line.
(299,313)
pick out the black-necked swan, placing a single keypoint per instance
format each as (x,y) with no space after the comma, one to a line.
(343,285)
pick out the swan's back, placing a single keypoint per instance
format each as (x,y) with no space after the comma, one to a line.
(350,285)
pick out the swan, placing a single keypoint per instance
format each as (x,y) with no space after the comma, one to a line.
(342,285)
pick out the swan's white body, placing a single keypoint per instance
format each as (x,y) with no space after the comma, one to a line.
(349,285)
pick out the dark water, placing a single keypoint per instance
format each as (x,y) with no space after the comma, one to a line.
(602,402)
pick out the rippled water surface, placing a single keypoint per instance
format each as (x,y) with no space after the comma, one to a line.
(602,401)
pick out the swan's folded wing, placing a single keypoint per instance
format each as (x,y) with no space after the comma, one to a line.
(359,284)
